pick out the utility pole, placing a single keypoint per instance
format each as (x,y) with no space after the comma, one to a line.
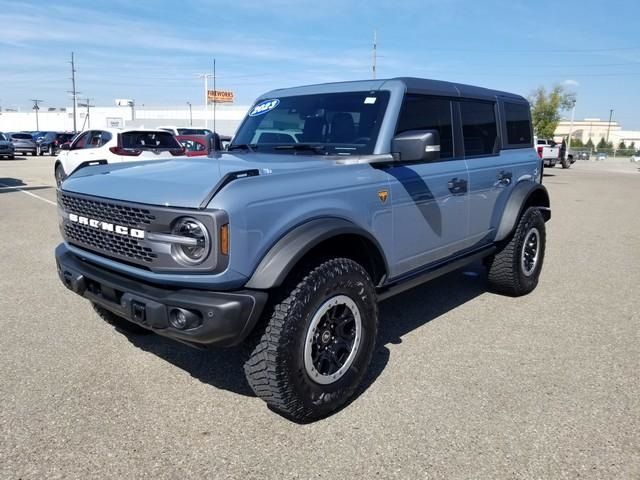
(190,115)
(36,108)
(609,126)
(375,52)
(87,118)
(73,92)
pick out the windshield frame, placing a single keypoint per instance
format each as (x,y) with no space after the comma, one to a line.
(373,108)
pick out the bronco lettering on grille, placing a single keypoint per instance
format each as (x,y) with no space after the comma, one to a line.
(106,226)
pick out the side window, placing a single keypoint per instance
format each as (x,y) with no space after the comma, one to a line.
(81,141)
(479,128)
(104,138)
(518,121)
(420,112)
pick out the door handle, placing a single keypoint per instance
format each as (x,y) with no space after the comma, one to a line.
(457,186)
(504,178)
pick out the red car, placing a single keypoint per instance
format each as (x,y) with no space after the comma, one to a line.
(199,145)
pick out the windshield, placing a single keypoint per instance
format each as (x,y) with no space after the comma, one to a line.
(329,123)
(2,137)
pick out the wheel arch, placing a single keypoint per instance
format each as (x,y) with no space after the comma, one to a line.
(524,195)
(324,237)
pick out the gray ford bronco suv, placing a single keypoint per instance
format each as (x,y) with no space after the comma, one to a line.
(330,198)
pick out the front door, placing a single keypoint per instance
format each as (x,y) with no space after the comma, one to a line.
(429,199)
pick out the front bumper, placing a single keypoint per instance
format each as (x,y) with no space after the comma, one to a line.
(226,318)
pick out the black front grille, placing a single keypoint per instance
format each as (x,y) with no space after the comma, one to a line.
(108,212)
(109,243)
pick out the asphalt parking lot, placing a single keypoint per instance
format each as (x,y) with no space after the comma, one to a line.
(464,383)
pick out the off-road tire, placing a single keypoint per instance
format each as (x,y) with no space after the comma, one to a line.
(118,322)
(275,367)
(59,174)
(505,272)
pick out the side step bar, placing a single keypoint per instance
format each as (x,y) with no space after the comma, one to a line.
(432,272)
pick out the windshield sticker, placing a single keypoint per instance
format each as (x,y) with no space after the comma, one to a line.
(264,107)
(370,100)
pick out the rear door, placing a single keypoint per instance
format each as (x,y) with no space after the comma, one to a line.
(493,170)
(429,199)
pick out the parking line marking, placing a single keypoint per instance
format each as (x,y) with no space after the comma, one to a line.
(3,186)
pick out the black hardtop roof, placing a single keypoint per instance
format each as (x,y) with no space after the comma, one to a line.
(440,87)
(411,84)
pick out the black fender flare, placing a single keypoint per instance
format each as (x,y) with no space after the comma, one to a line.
(519,197)
(283,256)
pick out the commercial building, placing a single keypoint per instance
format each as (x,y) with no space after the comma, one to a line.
(596,129)
(227,118)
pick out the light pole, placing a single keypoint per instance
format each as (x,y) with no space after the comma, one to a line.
(573,112)
(190,115)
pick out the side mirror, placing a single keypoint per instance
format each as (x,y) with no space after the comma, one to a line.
(65,146)
(417,145)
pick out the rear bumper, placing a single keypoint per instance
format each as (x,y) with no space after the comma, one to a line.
(223,318)
(25,149)
(550,161)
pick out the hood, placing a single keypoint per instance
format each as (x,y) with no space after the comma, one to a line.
(181,182)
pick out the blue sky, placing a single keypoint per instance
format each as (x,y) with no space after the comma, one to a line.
(151,51)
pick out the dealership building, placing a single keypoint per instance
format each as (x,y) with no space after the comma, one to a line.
(596,129)
(227,118)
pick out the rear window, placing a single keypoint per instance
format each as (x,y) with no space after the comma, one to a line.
(194,131)
(22,136)
(149,140)
(518,123)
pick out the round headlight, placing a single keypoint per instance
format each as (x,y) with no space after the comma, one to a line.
(196,251)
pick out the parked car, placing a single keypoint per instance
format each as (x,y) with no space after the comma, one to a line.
(635,157)
(6,147)
(23,143)
(601,156)
(186,130)
(583,155)
(51,142)
(97,147)
(200,145)
(548,152)
(289,246)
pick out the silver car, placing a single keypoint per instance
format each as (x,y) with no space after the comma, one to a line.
(23,143)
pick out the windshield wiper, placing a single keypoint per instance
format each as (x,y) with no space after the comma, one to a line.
(243,146)
(301,146)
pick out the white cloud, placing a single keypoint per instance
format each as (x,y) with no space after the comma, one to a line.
(571,83)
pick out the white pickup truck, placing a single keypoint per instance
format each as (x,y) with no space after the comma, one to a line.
(548,152)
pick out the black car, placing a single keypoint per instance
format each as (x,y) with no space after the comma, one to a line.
(50,142)
(582,155)
(6,147)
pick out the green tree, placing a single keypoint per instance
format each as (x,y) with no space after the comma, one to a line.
(576,143)
(589,144)
(546,107)
(622,146)
(632,146)
(602,144)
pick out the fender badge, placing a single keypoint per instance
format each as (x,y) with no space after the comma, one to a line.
(383,195)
